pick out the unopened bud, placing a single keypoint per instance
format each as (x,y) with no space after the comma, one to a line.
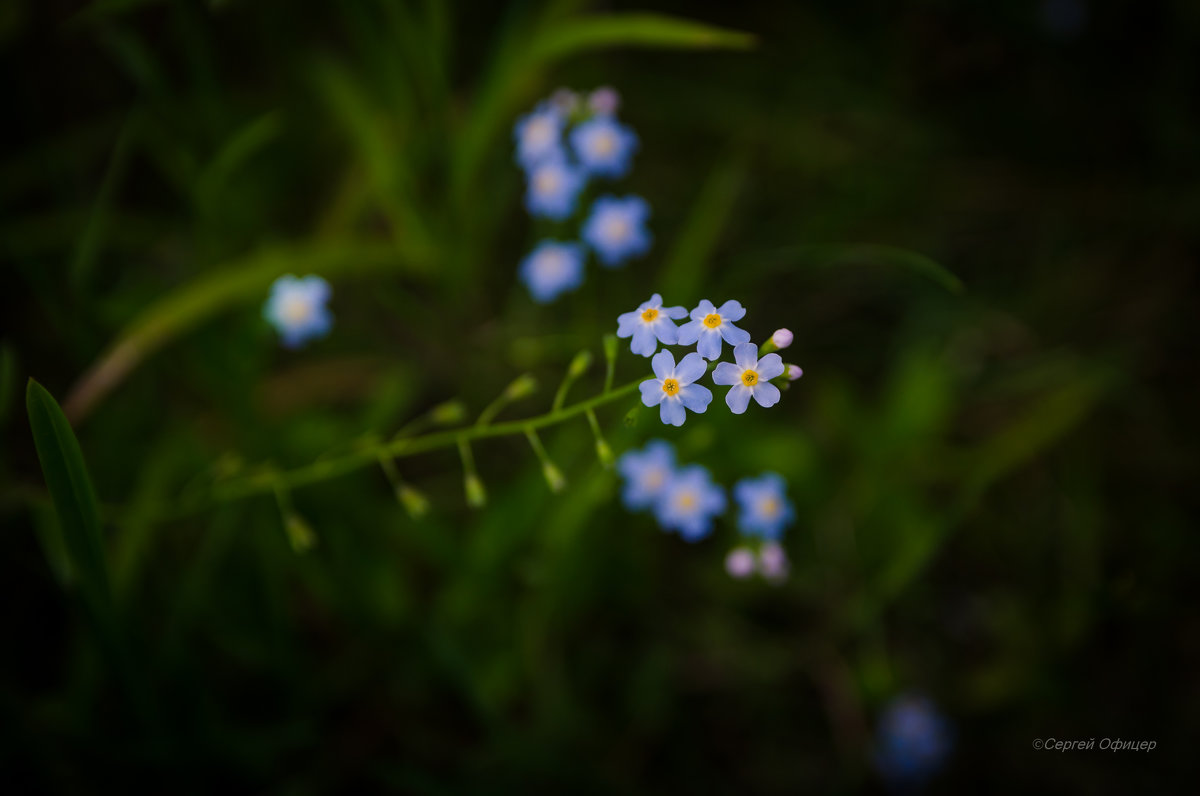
(604,454)
(610,346)
(565,101)
(520,387)
(300,534)
(448,413)
(415,503)
(794,372)
(580,364)
(782,338)
(604,101)
(476,494)
(554,477)
(740,562)
(773,562)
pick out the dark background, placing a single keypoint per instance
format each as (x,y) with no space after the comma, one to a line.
(994,484)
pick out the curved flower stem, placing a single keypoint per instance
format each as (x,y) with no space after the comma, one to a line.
(409,446)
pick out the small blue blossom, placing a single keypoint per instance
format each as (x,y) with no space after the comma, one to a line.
(616,229)
(604,147)
(647,473)
(709,326)
(650,321)
(750,377)
(551,269)
(689,503)
(674,387)
(539,136)
(913,741)
(296,308)
(554,186)
(764,507)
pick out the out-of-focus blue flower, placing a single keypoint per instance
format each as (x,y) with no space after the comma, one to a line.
(539,136)
(764,507)
(554,185)
(604,146)
(296,308)
(650,321)
(551,269)
(647,473)
(912,741)
(674,387)
(604,101)
(616,229)
(749,378)
(709,326)
(689,503)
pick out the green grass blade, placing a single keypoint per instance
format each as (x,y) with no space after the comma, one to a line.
(873,254)
(633,30)
(74,501)
(689,262)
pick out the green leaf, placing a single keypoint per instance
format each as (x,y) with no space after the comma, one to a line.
(633,30)
(242,280)
(74,501)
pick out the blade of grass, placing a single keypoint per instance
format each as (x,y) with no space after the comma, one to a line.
(689,261)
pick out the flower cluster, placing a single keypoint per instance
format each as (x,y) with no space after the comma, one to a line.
(673,388)
(565,143)
(296,308)
(687,500)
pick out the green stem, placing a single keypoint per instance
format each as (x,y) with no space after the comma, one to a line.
(411,446)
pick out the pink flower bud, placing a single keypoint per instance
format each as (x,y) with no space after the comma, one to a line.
(794,372)
(782,338)
(604,101)
(740,562)
(773,562)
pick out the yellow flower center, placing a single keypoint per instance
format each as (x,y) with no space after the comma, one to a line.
(649,315)
(616,229)
(686,501)
(295,310)
(670,386)
(654,479)
(539,132)
(712,320)
(749,378)
(769,507)
(604,144)
(546,181)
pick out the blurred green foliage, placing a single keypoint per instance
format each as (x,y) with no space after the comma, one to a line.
(980,224)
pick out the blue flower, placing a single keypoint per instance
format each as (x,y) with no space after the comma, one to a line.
(616,229)
(710,325)
(647,473)
(296,308)
(674,387)
(750,377)
(649,321)
(764,508)
(552,268)
(689,503)
(539,136)
(554,185)
(912,741)
(604,146)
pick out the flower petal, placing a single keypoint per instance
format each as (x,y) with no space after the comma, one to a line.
(655,301)
(705,307)
(626,323)
(727,373)
(732,334)
(696,397)
(675,313)
(732,311)
(643,340)
(672,412)
(746,356)
(652,392)
(663,364)
(690,368)
(766,394)
(770,366)
(738,399)
(690,332)
(709,344)
(665,331)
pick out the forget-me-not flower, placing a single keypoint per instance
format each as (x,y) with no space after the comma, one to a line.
(647,473)
(689,503)
(674,388)
(764,507)
(616,229)
(750,377)
(296,308)
(604,146)
(554,185)
(649,321)
(551,269)
(912,741)
(709,326)
(539,136)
